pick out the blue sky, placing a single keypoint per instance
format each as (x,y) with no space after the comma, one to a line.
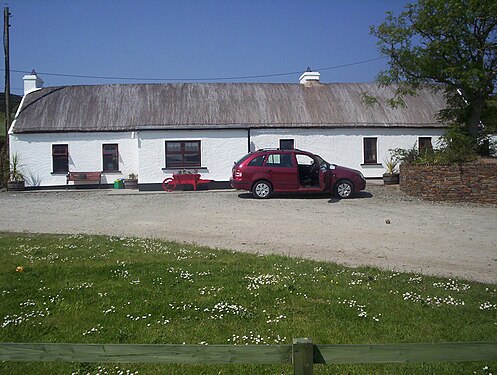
(180,40)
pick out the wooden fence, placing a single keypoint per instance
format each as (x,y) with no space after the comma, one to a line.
(303,354)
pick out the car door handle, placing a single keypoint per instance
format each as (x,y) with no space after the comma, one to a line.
(269,170)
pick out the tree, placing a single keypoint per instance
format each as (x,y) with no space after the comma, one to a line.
(451,44)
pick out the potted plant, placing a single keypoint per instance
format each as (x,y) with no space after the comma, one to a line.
(16,178)
(391,176)
(131,182)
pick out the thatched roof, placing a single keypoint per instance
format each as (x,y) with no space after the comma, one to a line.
(215,105)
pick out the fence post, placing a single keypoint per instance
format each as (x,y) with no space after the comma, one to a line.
(302,356)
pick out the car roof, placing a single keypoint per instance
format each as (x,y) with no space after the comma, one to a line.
(282,150)
(265,151)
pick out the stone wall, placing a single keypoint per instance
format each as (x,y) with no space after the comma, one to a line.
(472,182)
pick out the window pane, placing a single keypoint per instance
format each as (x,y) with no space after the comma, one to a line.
(257,162)
(273,159)
(191,146)
(286,144)
(192,159)
(110,163)
(110,149)
(304,160)
(60,165)
(279,160)
(60,150)
(174,160)
(286,160)
(173,146)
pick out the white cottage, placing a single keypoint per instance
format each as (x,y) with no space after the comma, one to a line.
(155,130)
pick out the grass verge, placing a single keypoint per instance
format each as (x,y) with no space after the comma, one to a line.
(95,289)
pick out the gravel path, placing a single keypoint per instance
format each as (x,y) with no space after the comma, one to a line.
(381,227)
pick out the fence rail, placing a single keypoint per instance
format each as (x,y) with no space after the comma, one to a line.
(302,354)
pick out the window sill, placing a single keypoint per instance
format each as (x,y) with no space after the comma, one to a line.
(371,165)
(111,172)
(183,168)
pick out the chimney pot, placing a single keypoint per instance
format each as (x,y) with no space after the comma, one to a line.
(309,77)
(32,82)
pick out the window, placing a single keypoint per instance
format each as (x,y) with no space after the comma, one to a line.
(304,159)
(60,159)
(110,156)
(183,154)
(370,153)
(287,144)
(424,144)
(257,161)
(279,160)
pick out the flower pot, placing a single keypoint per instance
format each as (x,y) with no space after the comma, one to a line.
(15,185)
(391,178)
(131,183)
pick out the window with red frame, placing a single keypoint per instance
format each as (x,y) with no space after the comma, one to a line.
(110,157)
(60,159)
(370,151)
(184,154)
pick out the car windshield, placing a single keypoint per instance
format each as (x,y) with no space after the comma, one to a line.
(321,161)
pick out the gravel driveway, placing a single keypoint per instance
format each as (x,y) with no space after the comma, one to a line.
(381,227)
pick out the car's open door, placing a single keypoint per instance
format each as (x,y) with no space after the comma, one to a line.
(325,177)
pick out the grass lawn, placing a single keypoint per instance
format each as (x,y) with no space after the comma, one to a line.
(95,289)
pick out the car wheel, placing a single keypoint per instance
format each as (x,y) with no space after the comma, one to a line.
(344,189)
(262,189)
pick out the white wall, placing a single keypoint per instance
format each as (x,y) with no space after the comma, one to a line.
(143,152)
(85,155)
(219,150)
(345,146)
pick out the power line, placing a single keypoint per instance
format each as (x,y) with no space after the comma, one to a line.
(194,79)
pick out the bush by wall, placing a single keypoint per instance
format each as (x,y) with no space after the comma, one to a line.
(470,182)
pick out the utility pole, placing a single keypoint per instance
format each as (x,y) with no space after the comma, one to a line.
(6,16)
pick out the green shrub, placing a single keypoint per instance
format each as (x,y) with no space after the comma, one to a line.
(454,147)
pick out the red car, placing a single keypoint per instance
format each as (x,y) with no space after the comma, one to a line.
(265,172)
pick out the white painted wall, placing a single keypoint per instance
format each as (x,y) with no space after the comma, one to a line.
(85,155)
(345,146)
(144,152)
(219,150)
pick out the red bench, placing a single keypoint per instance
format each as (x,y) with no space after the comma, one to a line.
(84,176)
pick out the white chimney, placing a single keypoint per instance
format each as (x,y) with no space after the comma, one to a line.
(309,77)
(32,82)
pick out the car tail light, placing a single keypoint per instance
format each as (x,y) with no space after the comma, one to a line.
(237,173)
